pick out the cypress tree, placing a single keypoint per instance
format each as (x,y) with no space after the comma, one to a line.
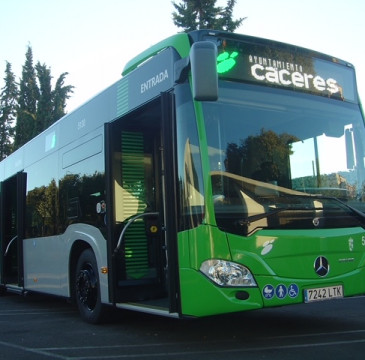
(28,97)
(60,95)
(52,103)
(8,103)
(39,105)
(44,106)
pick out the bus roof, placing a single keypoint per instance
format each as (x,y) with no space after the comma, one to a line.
(180,42)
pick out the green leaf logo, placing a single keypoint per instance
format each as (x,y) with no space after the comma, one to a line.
(226,61)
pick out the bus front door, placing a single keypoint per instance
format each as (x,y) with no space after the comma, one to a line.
(13,192)
(137,228)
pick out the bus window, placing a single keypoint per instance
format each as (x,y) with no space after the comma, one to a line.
(189,160)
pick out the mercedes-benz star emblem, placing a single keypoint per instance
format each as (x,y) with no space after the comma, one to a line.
(321,266)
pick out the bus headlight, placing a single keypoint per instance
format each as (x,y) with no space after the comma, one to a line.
(227,273)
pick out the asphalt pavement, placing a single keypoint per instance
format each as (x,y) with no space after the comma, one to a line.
(42,328)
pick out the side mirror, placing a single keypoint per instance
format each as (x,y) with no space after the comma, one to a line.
(203,62)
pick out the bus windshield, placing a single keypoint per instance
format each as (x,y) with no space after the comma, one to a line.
(281,159)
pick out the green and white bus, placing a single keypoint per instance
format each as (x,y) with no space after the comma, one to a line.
(221,173)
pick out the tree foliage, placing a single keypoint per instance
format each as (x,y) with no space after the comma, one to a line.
(8,102)
(44,109)
(27,102)
(204,14)
(60,95)
(32,103)
(39,105)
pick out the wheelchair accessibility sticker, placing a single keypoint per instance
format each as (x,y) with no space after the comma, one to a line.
(281,291)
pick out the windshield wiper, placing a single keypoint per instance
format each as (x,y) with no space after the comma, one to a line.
(348,207)
(252,218)
(249,219)
(246,224)
(332,199)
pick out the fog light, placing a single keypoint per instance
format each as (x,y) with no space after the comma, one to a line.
(242,295)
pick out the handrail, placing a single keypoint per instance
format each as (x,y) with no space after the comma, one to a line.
(10,242)
(130,221)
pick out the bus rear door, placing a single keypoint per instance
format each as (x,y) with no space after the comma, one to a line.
(13,192)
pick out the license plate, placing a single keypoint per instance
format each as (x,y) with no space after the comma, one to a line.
(323,293)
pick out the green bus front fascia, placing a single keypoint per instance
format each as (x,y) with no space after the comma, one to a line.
(201,297)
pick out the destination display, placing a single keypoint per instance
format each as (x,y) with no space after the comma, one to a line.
(286,68)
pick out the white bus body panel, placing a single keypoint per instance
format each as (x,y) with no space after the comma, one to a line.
(46,260)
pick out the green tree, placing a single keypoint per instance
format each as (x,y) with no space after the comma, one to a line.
(52,103)
(204,14)
(44,105)
(28,98)
(60,95)
(225,20)
(8,103)
(39,105)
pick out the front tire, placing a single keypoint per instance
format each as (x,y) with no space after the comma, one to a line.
(87,288)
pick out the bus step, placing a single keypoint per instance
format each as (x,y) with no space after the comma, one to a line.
(147,308)
(16,289)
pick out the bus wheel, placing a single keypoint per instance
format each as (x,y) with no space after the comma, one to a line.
(87,288)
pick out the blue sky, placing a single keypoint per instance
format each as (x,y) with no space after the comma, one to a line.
(92,40)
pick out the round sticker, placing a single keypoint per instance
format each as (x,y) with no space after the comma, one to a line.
(268,292)
(293,290)
(281,291)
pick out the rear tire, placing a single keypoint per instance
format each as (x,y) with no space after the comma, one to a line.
(87,288)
